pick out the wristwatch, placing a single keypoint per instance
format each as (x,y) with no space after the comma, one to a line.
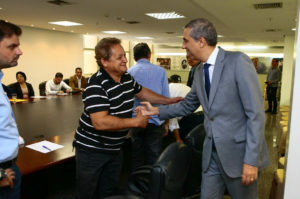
(2,174)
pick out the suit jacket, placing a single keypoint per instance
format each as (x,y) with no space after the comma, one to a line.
(16,88)
(233,116)
(73,82)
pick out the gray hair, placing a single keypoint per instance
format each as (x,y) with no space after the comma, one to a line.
(203,28)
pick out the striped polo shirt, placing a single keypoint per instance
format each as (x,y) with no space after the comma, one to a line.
(104,94)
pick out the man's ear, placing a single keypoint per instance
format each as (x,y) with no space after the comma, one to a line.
(103,62)
(202,42)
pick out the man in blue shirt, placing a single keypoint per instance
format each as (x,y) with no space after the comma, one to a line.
(10,176)
(146,143)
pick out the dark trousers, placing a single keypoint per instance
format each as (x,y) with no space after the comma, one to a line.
(271,95)
(97,174)
(14,193)
(146,145)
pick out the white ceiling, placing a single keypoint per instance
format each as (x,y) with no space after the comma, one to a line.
(236,20)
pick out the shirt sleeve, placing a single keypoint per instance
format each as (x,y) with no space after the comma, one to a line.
(136,86)
(95,99)
(165,86)
(65,86)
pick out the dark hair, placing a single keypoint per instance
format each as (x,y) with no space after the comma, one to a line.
(8,29)
(59,75)
(203,28)
(175,78)
(141,50)
(21,73)
(78,68)
(103,48)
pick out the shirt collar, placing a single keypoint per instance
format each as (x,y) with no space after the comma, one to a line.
(107,76)
(213,57)
(1,75)
(143,60)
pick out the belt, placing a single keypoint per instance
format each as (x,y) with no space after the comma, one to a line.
(7,164)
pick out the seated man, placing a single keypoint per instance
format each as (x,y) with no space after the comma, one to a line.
(181,126)
(54,86)
(77,82)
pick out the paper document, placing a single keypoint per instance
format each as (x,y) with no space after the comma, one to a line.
(44,146)
(38,97)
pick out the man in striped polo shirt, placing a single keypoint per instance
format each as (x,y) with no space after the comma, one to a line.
(104,123)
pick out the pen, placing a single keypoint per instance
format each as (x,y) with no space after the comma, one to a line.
(46,147)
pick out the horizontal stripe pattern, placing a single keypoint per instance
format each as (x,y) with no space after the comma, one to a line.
(104,94)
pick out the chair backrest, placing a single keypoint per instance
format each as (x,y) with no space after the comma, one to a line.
(42,88)
(194,140)
(66,81)
(165,179)
(169,172)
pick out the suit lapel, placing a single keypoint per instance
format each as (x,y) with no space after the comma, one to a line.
(216,76)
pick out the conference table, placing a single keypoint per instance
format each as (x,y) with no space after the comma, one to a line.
(52,118)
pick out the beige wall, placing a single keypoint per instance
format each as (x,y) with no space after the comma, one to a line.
(45,53)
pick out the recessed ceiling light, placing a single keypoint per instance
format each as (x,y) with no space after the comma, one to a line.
(113,32)
(32,25)
(65,23)
(252,47)
(144,37)
(53,28)
(220,36)
(72,30)
(0,8)
(165,15)
(293,29)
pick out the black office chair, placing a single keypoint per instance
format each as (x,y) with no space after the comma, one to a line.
(42,88)
(166,178)
(194,140)
(66,81)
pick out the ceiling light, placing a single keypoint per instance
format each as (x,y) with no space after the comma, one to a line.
(113,32)
(65,23)
(293,29)
(53,28)
(165,15)
(228,47)
(220,36)
(32,25)
(144,37)
(72,30)
(252,47)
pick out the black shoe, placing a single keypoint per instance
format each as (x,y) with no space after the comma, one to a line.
(268,111)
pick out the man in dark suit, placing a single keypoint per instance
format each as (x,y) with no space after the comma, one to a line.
(193,63)
(226,84)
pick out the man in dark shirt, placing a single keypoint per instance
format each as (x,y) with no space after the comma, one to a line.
(273,78)
(104,123)
(193,63)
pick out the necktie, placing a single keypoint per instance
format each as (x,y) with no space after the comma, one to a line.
(207,81)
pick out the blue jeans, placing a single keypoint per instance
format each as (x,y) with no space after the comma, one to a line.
(97,173)
(146,145)
(14,193)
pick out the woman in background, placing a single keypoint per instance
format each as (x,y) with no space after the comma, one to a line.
(21,87)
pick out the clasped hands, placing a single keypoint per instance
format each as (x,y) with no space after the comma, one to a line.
(9,179)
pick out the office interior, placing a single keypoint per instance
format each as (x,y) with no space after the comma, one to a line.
(48,49)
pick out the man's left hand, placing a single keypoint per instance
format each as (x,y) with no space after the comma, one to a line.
(249,174)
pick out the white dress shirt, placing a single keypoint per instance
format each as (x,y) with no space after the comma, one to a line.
(52,88)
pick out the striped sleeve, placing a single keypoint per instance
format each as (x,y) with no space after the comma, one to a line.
(136,86)
(95,99)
